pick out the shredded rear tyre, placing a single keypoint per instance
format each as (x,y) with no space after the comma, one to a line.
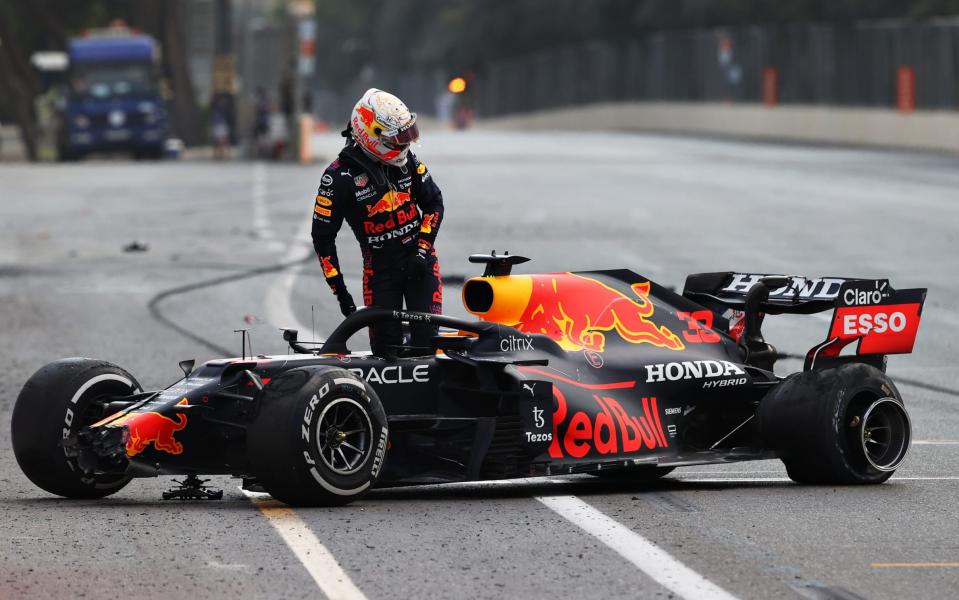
(840,426)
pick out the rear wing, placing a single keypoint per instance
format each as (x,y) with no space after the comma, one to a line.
(881,319)
(801,296)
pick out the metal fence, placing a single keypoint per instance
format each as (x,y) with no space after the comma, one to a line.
(867,65)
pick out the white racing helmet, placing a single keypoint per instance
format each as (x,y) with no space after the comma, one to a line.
(383,127)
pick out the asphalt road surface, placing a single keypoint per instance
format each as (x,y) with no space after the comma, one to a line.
(662,206)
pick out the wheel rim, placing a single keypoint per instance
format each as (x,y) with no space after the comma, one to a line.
(344,436)
(885,434)
(93,402)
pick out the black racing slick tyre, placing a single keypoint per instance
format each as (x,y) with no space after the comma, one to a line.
(57,401)
(637,474)
(319,439)
(839,426)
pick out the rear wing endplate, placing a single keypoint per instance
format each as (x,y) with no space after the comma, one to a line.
(880,319)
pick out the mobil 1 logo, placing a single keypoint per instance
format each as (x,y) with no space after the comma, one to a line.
(536,415)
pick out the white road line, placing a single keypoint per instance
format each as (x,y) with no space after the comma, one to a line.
(261,216)
(279,312)
(935,442)
(279,295)
(319,562)
(652,560)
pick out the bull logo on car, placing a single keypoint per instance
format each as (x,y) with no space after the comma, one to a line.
(152,428)
(577,312)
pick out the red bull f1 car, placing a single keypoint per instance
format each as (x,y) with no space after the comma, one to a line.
(601,372)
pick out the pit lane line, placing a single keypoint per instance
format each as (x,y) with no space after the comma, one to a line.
(313,555)
(656,563)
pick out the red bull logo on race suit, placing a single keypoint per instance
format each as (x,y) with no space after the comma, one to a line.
(577,312)
(390,202)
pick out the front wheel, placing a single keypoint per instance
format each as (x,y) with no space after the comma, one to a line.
(319,439)
(55,403)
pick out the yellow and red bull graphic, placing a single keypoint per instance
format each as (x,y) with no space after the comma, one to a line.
(402,216)
(329,271)
(148,428)
(428,221)
(390,202)
(576,311)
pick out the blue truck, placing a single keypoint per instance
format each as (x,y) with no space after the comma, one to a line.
(113,100)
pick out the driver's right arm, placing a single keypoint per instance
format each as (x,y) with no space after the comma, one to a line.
(328,214)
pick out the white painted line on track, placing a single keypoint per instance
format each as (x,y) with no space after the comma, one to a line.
(652,560)
(319,562)
(279,312)
(261,216)
(935,442)
(279,294)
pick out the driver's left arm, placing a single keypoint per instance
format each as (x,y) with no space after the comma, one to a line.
(429,198)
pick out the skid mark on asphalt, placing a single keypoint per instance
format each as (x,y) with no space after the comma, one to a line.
(319,562)
(652,560)
(668,502)
(815,591)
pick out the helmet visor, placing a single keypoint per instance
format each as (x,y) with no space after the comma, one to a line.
(404,136)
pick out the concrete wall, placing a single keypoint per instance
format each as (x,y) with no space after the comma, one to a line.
(925,130)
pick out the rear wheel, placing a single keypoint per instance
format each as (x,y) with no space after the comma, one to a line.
(56,402)
(319,439)
(846,425)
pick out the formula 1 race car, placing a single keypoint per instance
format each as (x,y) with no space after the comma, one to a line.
(601,372)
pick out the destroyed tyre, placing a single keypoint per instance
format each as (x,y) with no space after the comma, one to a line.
(55,403)
(840,426)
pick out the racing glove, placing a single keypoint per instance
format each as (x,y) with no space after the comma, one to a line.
(347,306)
(418,264)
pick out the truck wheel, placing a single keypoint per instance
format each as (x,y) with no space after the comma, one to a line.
(319,438)
(840,426)
(57,401)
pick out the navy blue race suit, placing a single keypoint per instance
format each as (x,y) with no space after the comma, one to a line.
(395,214)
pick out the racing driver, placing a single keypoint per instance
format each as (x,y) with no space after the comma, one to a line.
(394,208)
